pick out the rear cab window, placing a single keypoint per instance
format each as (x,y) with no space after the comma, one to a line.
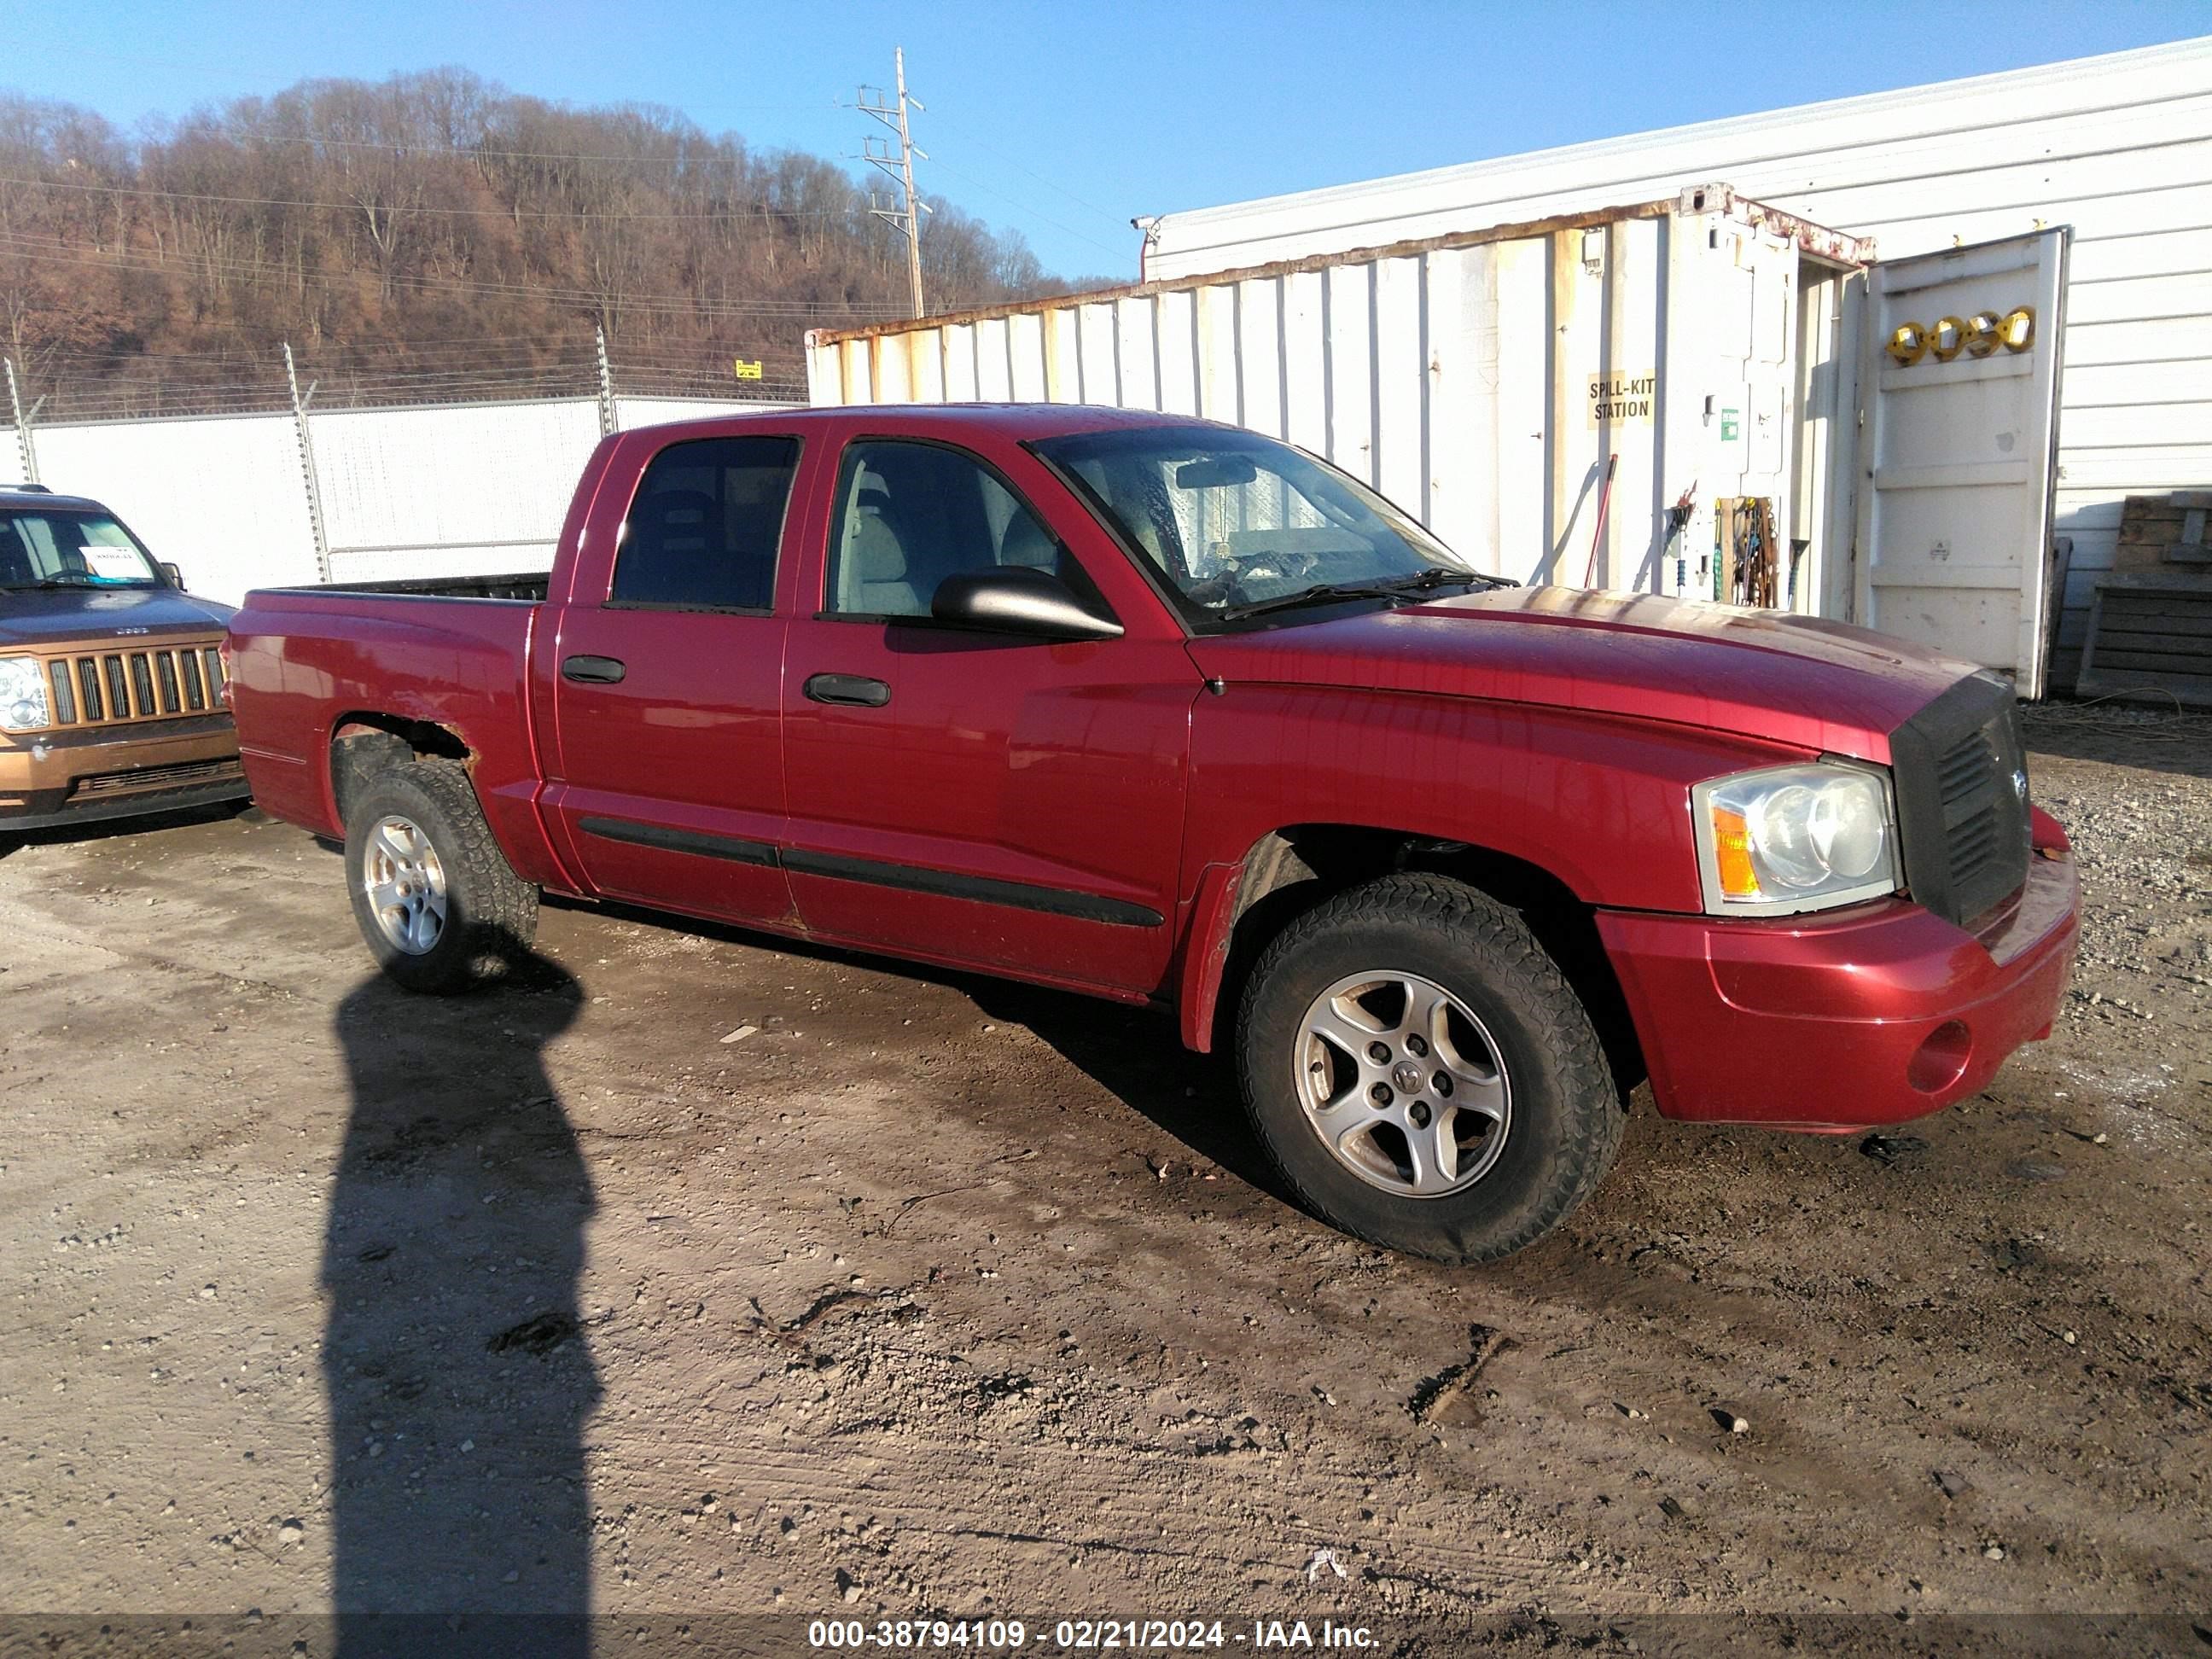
(705,526)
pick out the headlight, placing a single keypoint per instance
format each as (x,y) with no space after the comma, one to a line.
(1795,838)
(22,695)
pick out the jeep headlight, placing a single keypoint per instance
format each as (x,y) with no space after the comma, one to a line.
(1795,838)
(22,695)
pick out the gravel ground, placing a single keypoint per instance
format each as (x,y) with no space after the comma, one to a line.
(689,1274)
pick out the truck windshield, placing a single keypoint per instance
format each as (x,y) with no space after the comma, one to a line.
(71,550)
(1240,524)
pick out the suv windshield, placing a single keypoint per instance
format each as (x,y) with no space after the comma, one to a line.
(1239,525)
(71,550)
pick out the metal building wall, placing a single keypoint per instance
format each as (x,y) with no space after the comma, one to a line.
(2118,147)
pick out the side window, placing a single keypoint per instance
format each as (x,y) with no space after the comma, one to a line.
(702,532)
(909,515)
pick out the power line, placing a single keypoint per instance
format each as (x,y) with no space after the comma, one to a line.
(671,304)
(1083,236)
(1049,184)
(763,211)
(399,146)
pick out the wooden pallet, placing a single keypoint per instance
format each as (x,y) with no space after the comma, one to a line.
(2150,634)
(2165,533)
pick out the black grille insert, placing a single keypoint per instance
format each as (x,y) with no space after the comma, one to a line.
(1961,801)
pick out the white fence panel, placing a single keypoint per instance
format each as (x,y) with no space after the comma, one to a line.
(470,489)
(224,499)
(456,489)
(657,411)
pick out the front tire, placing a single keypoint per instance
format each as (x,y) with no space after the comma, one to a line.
(1423,1075)
(439,907)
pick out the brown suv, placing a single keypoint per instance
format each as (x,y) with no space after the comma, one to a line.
(111,696)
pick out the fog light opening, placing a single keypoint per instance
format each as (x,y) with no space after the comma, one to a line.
(1941,1058)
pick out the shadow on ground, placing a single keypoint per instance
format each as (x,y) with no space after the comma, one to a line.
(1135,1054)
(2150,738)
(118,829)
(458,1374)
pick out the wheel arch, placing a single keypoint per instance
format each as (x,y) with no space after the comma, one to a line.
(365,742)
(1288,870)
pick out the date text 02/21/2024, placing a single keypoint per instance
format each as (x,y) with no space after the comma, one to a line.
(1085,1635)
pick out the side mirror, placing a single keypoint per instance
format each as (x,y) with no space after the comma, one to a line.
(176,577)
(1017,600)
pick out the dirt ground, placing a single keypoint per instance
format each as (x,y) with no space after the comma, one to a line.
(693,1275)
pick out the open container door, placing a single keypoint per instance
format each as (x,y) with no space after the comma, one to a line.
(1958,450)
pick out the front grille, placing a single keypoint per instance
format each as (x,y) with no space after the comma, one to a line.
(1961,772)
(108,688)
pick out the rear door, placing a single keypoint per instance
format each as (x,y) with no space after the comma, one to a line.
(1958,450)
(669,676)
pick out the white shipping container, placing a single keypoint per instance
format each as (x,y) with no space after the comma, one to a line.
(1542,395)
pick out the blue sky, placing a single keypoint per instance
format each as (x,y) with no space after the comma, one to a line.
(1065,119)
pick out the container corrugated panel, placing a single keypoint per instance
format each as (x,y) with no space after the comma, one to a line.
(1485,382)
(2118,147)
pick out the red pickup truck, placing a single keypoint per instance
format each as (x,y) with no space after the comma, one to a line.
(1168,712)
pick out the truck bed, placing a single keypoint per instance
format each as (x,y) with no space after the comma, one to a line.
(527,584)
(451,652)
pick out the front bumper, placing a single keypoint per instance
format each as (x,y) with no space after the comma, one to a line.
(53,779)
(1870,1016)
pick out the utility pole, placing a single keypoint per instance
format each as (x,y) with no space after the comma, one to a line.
(24,447)
(607,383)
(900,169)
(300,401)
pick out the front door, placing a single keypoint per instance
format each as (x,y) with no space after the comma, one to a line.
(667,713)
(1959,456)
(974,797)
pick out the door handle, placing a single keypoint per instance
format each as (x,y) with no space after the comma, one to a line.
(856,690)
(593,670)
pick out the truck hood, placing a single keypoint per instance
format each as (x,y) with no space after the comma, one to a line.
(1760,674)
(41,618)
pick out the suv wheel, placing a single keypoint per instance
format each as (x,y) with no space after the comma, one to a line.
(1423,1075)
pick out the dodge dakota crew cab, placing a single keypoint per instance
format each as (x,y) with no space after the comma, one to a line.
(111,687)
(1168,712)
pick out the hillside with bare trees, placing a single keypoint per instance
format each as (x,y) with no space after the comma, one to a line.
(436,236)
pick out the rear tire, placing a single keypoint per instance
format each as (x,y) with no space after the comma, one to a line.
(1423,1075)
(439,907)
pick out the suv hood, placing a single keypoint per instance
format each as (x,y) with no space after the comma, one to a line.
(1761,674)
(42,619)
